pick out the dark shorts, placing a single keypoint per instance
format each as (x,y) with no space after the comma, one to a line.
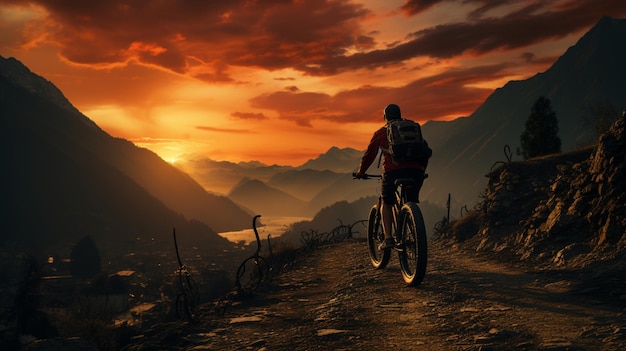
(389,188)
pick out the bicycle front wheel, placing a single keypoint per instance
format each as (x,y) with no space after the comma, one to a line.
(375,237)
(413,256)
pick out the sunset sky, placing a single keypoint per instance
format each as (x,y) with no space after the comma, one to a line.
(281,81)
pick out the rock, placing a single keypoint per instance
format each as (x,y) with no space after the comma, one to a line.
(537,209)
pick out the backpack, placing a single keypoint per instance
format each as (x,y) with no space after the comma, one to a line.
(405,141)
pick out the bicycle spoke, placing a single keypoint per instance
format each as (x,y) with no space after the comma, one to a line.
(375,237)
(413,236)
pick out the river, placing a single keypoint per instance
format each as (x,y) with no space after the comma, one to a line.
(275,226)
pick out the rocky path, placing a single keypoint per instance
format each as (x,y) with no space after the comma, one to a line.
(334,300)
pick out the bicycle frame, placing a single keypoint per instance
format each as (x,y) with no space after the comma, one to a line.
(407,229)
(401,198)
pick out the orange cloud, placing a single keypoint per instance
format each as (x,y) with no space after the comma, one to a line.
(153,68)
(170,33)
(224,130)
(443,96)
(249,115)
(315,37)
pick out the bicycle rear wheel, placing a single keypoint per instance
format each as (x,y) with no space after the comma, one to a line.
(413,256)
(375,237)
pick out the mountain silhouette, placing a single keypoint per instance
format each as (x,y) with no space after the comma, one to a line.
(304,184)
(464,149)
(66,178)
(335,159)
(55,134)
(263,199)
(222,176)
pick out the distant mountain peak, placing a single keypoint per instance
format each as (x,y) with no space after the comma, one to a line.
(341,160)
(599,44)
(21,75)
(251,164)
(244,182)
(608,22)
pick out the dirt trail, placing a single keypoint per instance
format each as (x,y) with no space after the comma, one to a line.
(334,300)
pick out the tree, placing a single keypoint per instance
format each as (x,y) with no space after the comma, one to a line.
(85,259)
(542,128)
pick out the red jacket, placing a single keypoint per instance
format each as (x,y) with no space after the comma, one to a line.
(379,141)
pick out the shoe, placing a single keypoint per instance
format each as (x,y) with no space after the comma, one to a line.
(387,244)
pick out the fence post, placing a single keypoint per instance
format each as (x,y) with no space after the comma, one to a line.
(448,207)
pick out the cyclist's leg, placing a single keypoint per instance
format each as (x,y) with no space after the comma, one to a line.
(388,193)
(387,212)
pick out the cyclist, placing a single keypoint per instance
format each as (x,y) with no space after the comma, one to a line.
(391,171)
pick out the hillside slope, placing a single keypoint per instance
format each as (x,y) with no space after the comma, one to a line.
(261,198)
(588,73)
(539,266)
(565,210)
(58,157)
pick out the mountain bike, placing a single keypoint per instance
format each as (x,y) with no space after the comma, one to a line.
(253,270)
(188,298)
(408,230)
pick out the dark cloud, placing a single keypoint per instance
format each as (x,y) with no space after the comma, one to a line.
(414,7)
(206,38)
(224,130)
(180,35)
(301,108)
(527,26)
(483,6)
(446,95)
(249,115)
(530,57)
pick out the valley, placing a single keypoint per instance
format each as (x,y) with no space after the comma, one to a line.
(273,226)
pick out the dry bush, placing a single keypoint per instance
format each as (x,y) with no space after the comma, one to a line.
(465,227)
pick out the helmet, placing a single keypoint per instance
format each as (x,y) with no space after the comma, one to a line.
(392,111)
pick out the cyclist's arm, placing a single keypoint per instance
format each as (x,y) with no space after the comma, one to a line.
(372,151)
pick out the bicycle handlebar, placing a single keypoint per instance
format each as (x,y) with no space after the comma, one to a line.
(366,176)
(378,176)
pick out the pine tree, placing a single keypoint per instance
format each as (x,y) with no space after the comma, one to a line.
(542,128)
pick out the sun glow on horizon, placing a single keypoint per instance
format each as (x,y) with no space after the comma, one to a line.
(279,92)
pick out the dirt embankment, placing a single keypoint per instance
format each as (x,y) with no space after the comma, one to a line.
(333,299)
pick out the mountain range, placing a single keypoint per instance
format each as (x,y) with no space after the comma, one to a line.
(590,73)
(65,177)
